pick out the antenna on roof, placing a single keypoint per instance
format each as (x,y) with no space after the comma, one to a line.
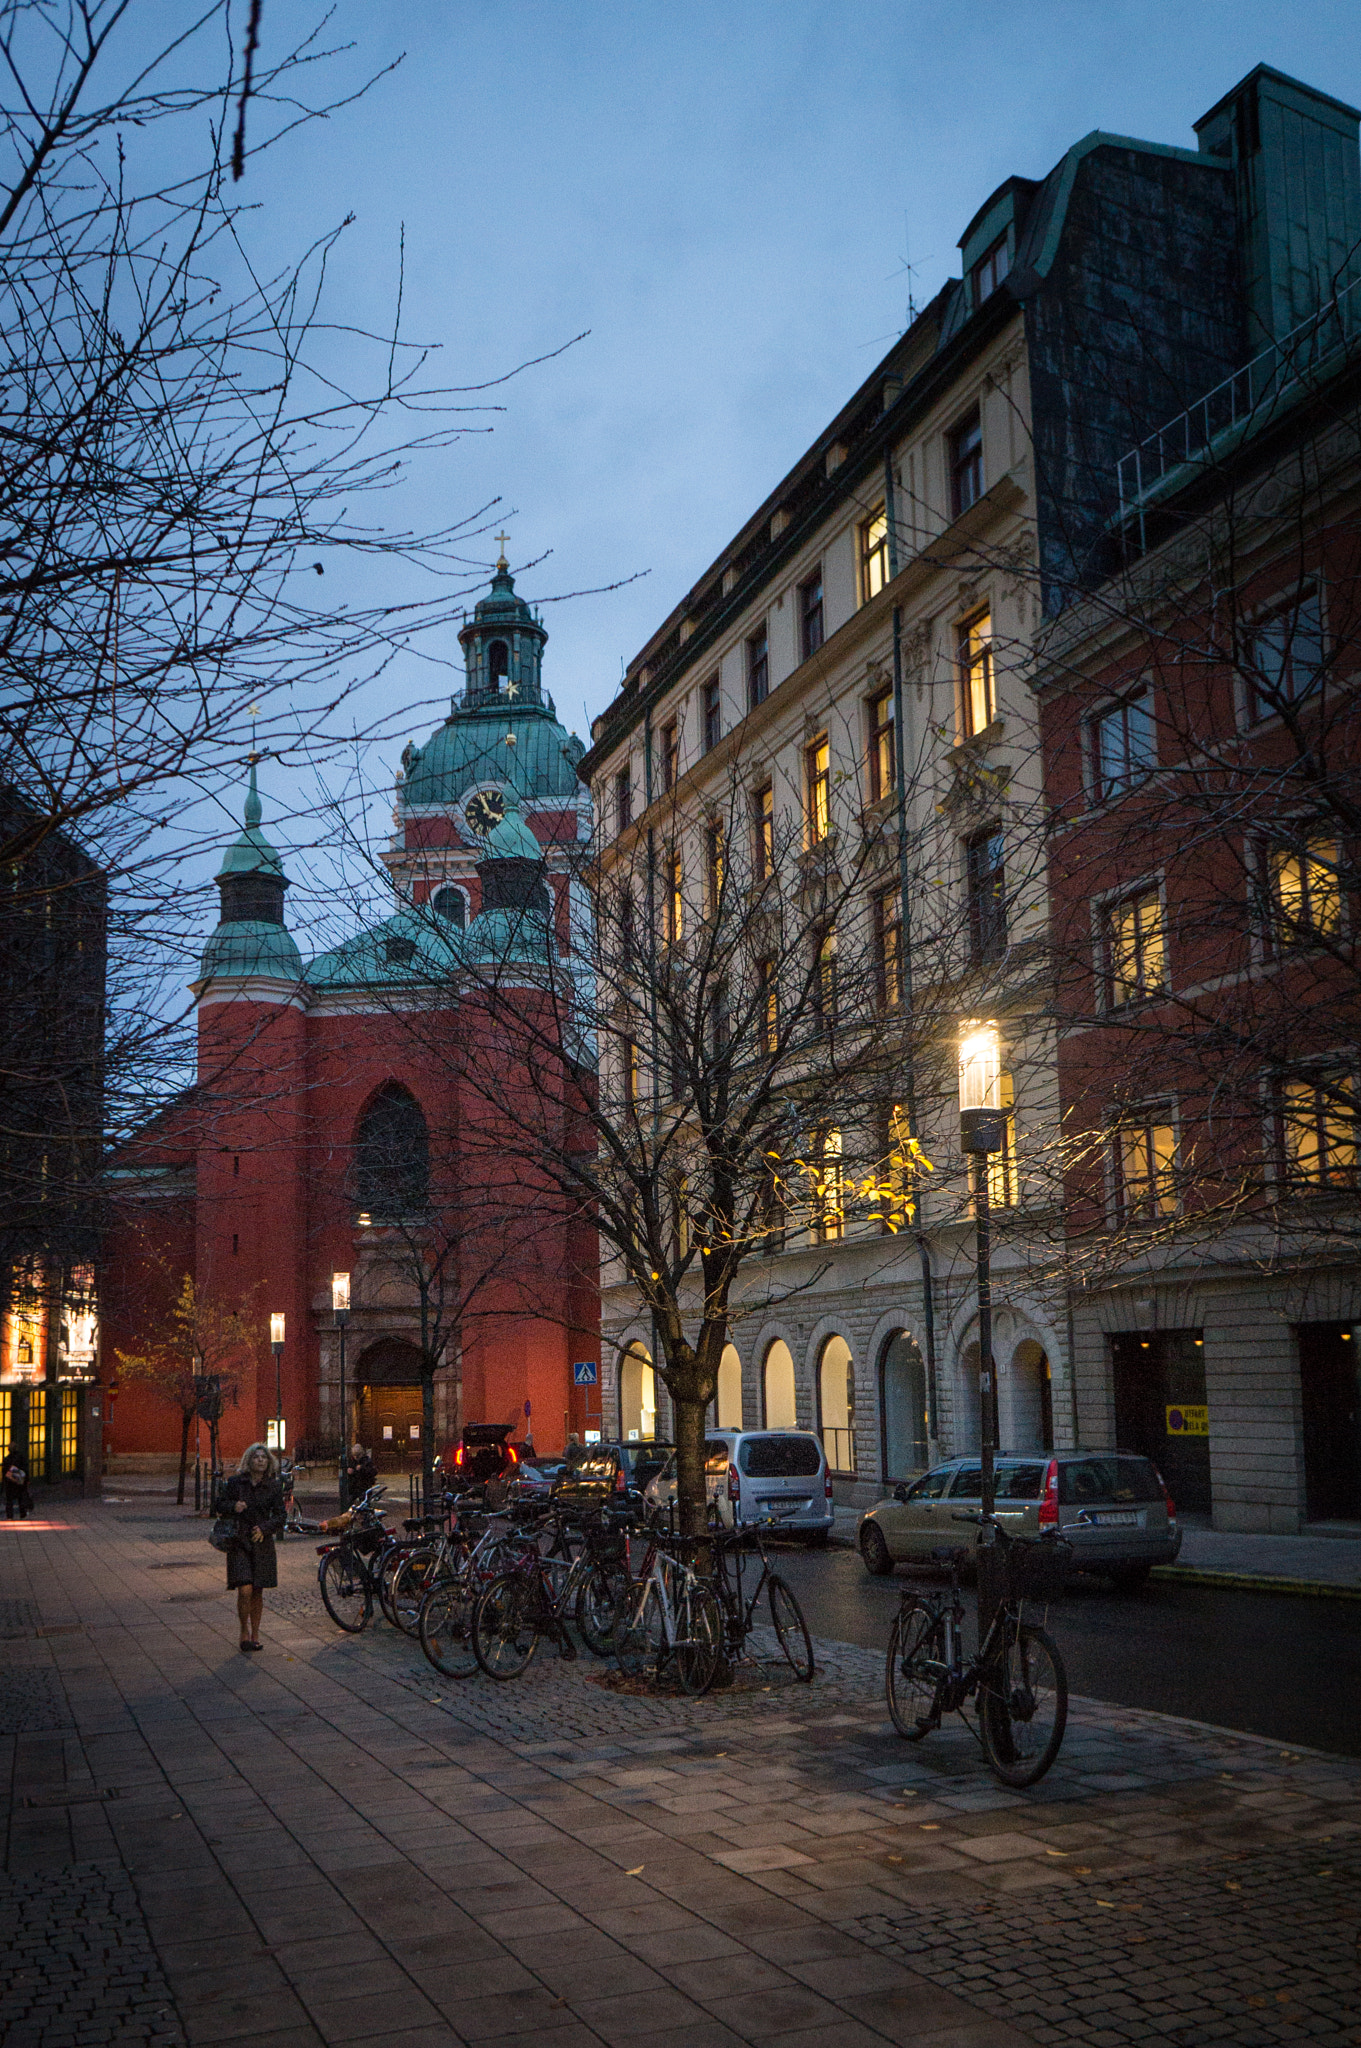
(908,269)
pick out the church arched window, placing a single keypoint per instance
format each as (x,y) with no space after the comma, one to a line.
(498,663)
(452,904)
(392,1157)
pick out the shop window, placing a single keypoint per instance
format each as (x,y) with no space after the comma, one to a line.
(777,1380)
(836,1401)
(37,1433)
(69,1447)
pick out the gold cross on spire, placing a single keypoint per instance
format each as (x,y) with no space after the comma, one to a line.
(502,542)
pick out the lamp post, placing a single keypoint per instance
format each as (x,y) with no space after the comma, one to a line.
(340,1302)
(276,1345)
(982,1130)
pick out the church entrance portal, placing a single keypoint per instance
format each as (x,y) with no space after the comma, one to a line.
(388,1404)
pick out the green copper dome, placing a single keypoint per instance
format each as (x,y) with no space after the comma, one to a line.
(248,948)
(252,853)
(523,748)
(251,938)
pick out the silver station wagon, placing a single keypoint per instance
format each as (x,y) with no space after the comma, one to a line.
(1110,1505)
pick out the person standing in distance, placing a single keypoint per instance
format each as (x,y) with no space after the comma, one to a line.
(255,1500)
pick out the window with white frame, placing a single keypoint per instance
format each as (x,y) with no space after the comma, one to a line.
(1146,1163)
(1135,947)
(1303,888)
(1124,745)
(1283,652)
(1316,1125)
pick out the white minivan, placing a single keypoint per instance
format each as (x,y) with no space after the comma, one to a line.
(754,1475)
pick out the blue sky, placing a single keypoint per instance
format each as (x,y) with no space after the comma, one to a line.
(724,200)
(725,196)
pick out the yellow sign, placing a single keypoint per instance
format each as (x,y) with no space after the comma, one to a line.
(1185,1420)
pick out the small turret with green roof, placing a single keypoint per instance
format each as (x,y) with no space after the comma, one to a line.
(251,938)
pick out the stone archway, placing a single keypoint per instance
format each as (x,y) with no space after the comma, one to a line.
(1026,1399)
(637,1396)
(387,1403)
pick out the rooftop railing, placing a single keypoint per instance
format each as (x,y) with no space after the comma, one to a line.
(1249,396)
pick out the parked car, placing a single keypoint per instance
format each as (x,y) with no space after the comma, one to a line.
(612,1471)
(483,1452)
(1110,1505)
(752,1474)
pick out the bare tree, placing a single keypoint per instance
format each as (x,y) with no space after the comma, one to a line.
(204,1337)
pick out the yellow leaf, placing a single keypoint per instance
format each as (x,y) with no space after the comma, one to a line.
(636,1873)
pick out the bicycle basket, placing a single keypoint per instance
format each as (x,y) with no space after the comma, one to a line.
(1037,1570)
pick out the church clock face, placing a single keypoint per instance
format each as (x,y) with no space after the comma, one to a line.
(484,810)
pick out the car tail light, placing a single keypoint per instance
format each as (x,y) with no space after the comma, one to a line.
(734,1484)
(1049,1503)
(1171,1504)
(512,1454)
(458,1455)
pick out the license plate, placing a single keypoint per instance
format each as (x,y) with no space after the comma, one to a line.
(1118,1521)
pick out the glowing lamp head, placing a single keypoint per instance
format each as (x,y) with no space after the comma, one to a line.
(982,1121)
(340,1293)
(276,1329)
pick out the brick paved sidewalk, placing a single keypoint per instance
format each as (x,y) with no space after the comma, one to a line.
(328,1843)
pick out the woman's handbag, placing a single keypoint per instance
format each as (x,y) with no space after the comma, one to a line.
(224,1533)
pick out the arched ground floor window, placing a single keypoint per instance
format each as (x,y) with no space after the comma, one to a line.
(637,1397)
(902,1400)
(781,1411)
(836,1399)
(729,1398)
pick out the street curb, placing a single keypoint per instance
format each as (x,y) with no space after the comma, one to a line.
(1252,1582)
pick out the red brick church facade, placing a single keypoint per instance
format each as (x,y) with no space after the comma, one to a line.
(329,1132)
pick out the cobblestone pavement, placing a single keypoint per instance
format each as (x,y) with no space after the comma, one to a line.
(330,1843)
(79,1964)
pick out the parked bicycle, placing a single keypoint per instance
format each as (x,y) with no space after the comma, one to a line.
(476,1549)
(731,1548)
(1017,1673)
(537,1597)
(357,1569)
(669,1611)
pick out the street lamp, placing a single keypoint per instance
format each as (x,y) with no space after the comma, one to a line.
(983,1130)
(340,1302)
(276,1343)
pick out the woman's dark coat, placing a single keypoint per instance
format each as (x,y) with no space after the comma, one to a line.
(253,1564)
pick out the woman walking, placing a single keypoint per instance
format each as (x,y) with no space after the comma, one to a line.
(254,1498)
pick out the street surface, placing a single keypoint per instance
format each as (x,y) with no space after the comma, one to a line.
(1274,1664)
(329,1844)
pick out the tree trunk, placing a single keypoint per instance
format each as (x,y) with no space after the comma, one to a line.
(428,1434)
(186,1417)
(691,1415)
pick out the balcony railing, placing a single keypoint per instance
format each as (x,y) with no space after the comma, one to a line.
(1247,396)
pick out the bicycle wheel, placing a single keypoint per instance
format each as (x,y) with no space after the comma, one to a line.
(385,1569)
(445,1628)
(506,1625)
(346,1591)
(915,1669)
(1023,1706)
(699,1633)
(791,1629)
(639,1630)
(408,1587)
(595,1611)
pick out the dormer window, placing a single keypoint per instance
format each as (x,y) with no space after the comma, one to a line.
(498,663)
(399,952)
(450,904)
(989,271)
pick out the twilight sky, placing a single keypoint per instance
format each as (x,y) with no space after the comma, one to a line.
(726,197)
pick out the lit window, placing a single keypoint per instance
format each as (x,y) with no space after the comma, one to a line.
(758,669)
(810,615)
(670,754)
(986,878)
(1002,1185)
(675,901)
(631,1073)
(623,799)
(966,464)
(713,715)
(763,831)
(817,780)
(1284,652)
(873,555)
(824,980)
(1318,1130)
(1306,897)
(989,271)
(1136,948)
(883,746)
(978,705)
(713,863)
(1147,1161)
(888,948)
(1124,746)
(830,1209)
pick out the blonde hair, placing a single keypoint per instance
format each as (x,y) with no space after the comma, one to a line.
(243,1469)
